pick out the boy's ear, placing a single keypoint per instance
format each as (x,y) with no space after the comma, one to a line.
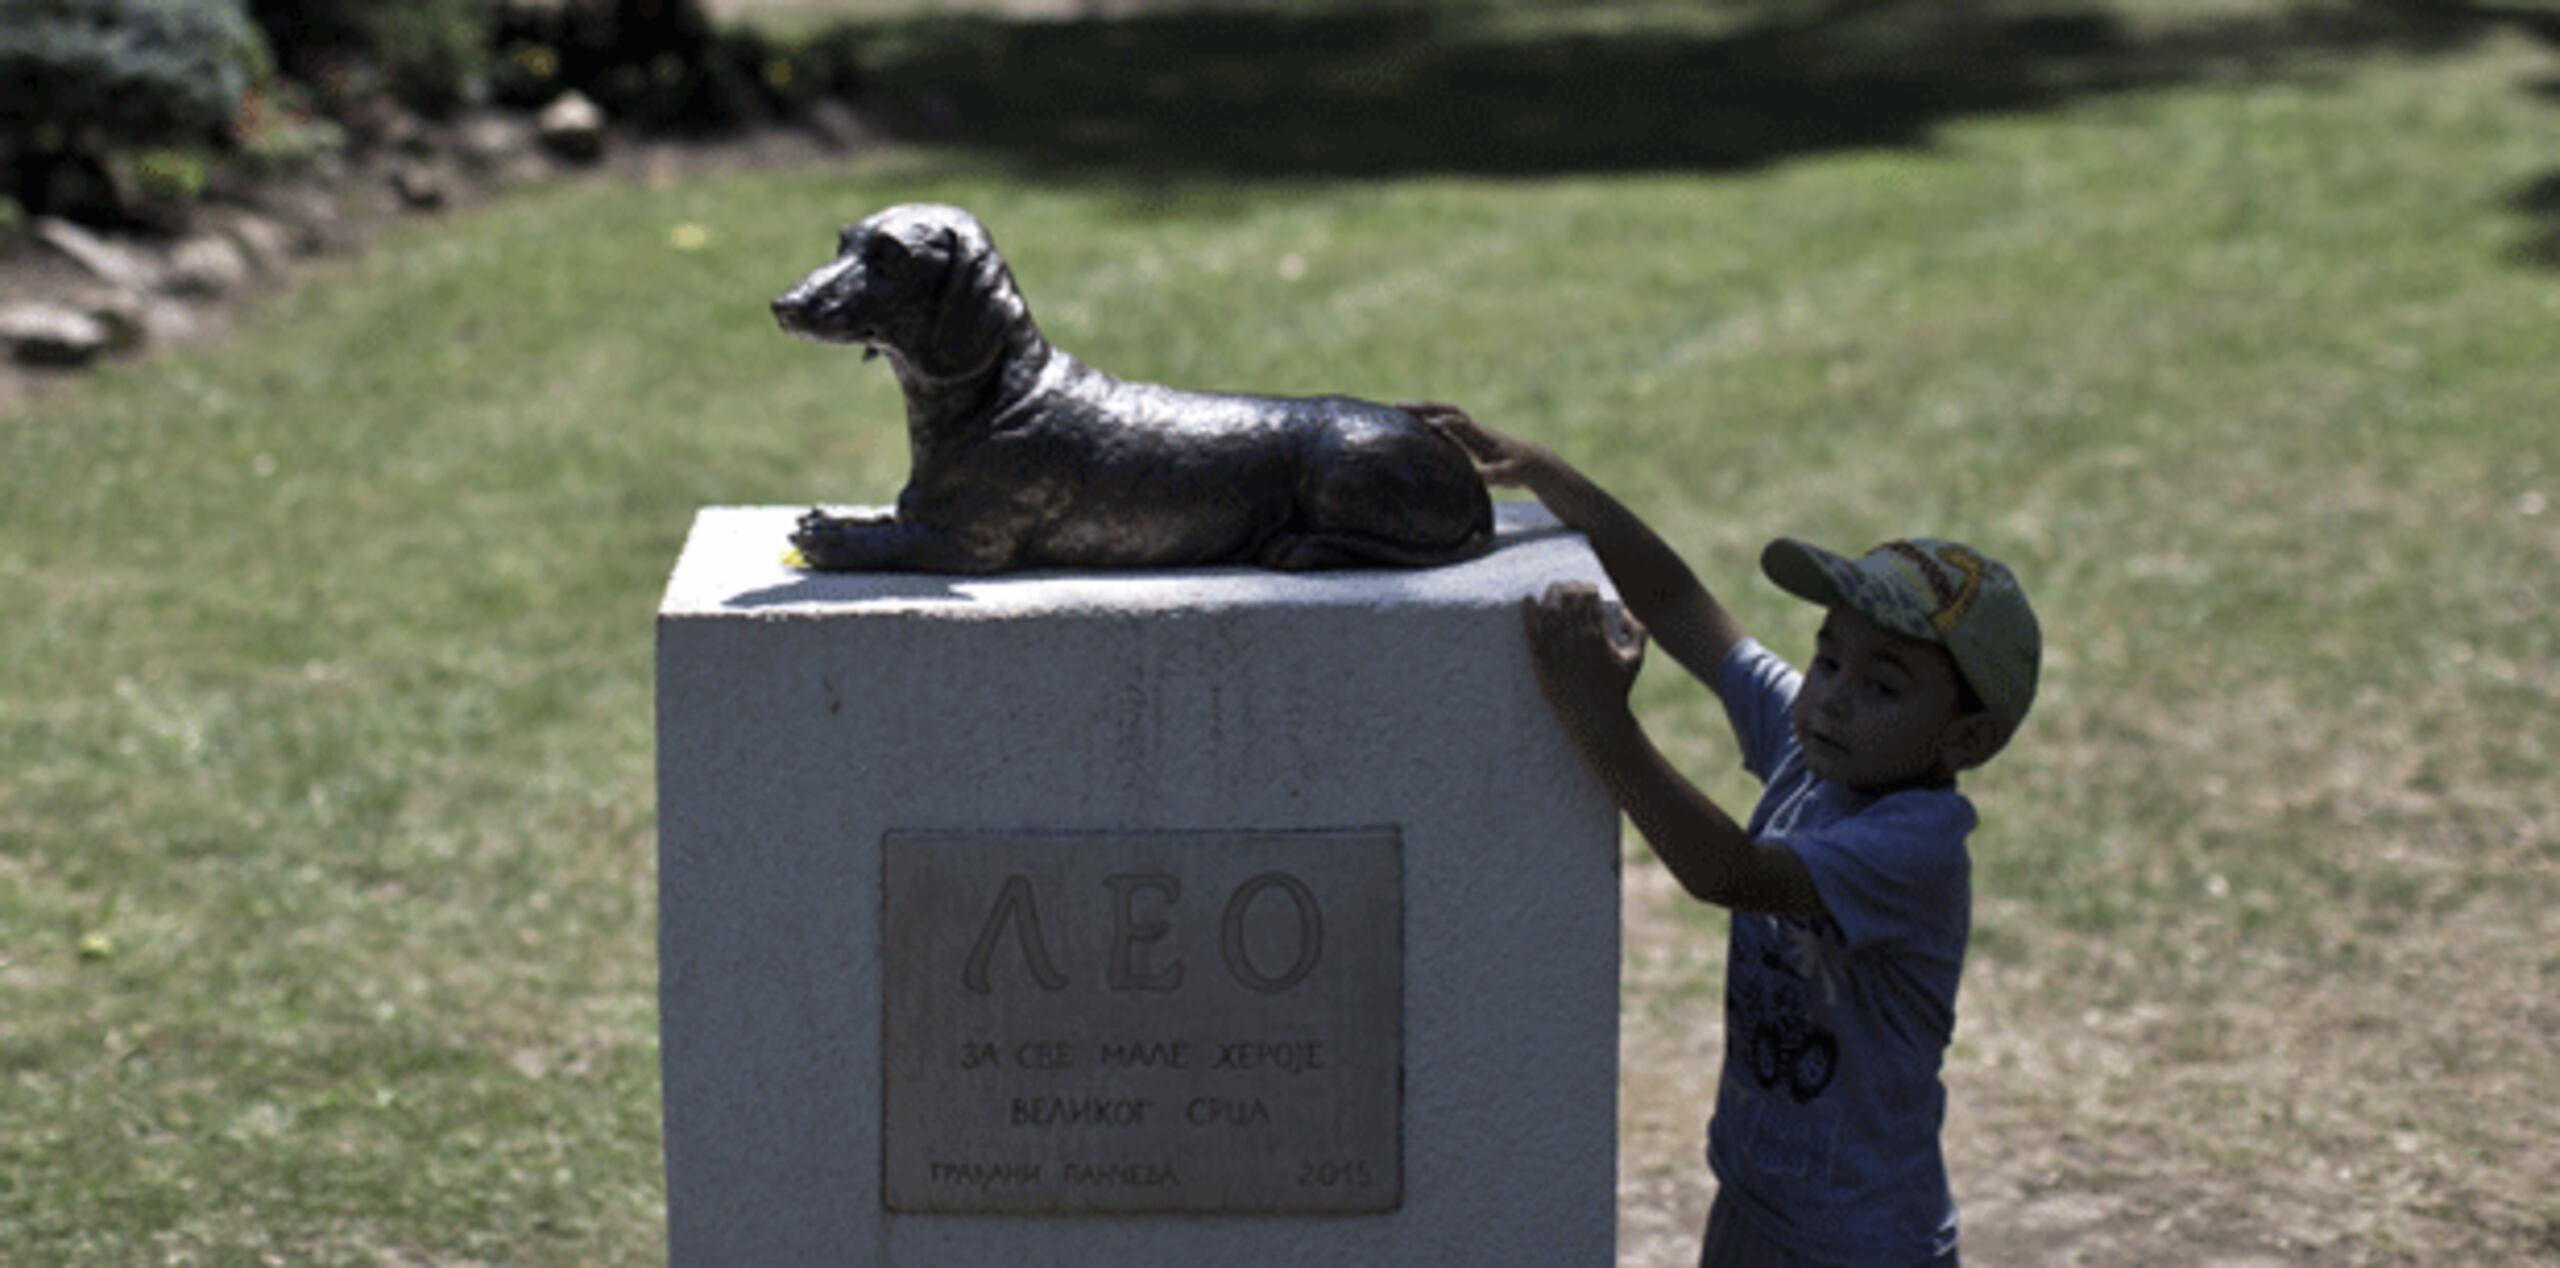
(1971,739)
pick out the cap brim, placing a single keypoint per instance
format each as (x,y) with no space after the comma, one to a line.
(1806,571)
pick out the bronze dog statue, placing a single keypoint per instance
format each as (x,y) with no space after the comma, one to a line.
(1025,458)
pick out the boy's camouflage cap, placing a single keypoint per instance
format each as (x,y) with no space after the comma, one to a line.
(1937,591)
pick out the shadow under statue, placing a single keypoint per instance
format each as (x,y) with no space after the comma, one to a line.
(1023,457)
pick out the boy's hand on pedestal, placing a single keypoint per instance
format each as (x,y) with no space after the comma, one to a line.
(1584,667)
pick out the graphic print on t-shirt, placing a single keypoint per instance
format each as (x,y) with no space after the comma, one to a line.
(1770,1016)
(1769,1004)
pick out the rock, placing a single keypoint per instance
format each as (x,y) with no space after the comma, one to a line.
(124,315)
(501,146)
(572,127)
(382,124)
(421,186)
(267,243)
(51,334)
(167,321)
(308,213)
(490,140)
(524,168)
(835,123)
(113,263)
(205,266)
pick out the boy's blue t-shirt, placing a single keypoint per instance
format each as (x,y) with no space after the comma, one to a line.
(1828,1113)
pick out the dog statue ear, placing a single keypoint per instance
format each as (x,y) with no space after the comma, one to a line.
(977,309)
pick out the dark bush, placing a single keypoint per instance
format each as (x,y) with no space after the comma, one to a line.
(659,64)
(793,75)
(79,78)
(428,53)
(118,72)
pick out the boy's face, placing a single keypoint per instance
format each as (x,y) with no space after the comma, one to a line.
(1878,710)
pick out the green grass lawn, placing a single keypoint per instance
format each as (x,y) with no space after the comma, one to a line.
(326,796)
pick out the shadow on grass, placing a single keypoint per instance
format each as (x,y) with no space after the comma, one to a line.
(1459,89)
(2538,201)
(2537,18)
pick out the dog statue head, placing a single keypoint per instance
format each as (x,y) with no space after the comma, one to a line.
(920,282)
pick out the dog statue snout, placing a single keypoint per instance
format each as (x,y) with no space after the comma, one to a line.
(802,311)
(790,308)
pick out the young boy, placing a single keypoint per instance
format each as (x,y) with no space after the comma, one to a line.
(1850,884)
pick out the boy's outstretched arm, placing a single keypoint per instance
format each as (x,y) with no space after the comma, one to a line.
(1653,581)
(1585,676)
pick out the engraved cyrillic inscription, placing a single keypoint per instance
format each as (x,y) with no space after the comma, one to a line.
(1143,1022)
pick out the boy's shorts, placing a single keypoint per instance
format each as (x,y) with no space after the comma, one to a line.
(1734,1241)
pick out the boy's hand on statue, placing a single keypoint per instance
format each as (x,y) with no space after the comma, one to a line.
(1501,459)
(1584,668)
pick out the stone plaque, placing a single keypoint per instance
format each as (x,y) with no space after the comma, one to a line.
(1143,1022)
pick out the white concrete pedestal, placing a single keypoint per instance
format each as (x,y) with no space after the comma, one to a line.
(824,739)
